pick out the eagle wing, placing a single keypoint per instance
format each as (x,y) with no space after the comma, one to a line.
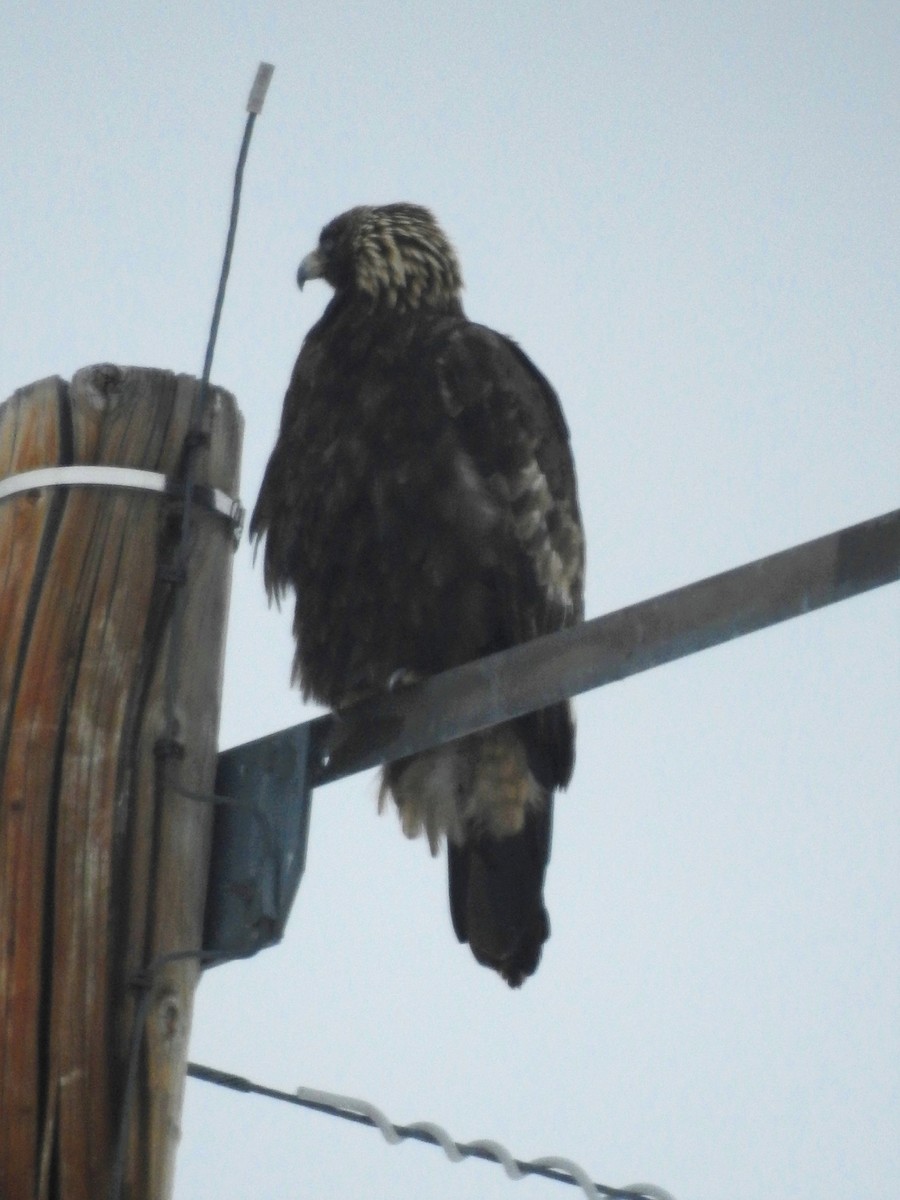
(515,464)
(511,427)
(516,458)
(277,502)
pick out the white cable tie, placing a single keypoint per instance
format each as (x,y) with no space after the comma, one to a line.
(457,1151)
(131,478)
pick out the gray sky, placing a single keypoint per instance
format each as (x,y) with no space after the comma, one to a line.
(687,214)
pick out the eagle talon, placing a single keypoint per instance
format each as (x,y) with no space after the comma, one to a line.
(401,678)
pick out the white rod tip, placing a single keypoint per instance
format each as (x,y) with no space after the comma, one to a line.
(260,87)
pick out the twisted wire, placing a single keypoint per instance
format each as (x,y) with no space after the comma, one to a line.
(363,1112)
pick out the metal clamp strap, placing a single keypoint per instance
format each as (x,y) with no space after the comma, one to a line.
(212,499)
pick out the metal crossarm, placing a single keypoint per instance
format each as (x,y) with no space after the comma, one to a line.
(506,685)
(634,639)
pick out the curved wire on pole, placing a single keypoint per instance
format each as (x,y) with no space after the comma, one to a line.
(349,1108)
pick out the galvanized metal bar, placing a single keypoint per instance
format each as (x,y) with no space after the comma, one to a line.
(634,639)
(261,830)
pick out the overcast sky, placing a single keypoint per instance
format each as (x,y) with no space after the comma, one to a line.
(687,214)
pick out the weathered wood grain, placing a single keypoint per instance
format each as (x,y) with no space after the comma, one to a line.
(102,863)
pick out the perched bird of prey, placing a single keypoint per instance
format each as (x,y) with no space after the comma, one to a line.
(421,503)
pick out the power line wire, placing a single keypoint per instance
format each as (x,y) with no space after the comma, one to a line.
(348,1108)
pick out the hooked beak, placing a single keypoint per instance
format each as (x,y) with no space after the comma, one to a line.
(311,268)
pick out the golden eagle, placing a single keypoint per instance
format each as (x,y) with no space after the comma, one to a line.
(421,502)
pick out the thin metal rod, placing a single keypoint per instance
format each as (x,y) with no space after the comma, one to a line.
(634,639)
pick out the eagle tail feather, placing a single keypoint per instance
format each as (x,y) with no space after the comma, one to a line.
(548,736)
(496,895)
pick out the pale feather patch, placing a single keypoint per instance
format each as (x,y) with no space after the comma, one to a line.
(503,787)
(403,258)
(557,572)
(429,795)
(476,499)
(482,781)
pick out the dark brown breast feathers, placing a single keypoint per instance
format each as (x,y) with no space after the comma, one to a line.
(420,500)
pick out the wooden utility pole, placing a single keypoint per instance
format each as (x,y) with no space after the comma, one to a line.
(103,859)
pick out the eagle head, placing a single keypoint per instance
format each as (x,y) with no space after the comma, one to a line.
(395,254)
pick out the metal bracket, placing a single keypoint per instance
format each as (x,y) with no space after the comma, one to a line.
(259,842)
